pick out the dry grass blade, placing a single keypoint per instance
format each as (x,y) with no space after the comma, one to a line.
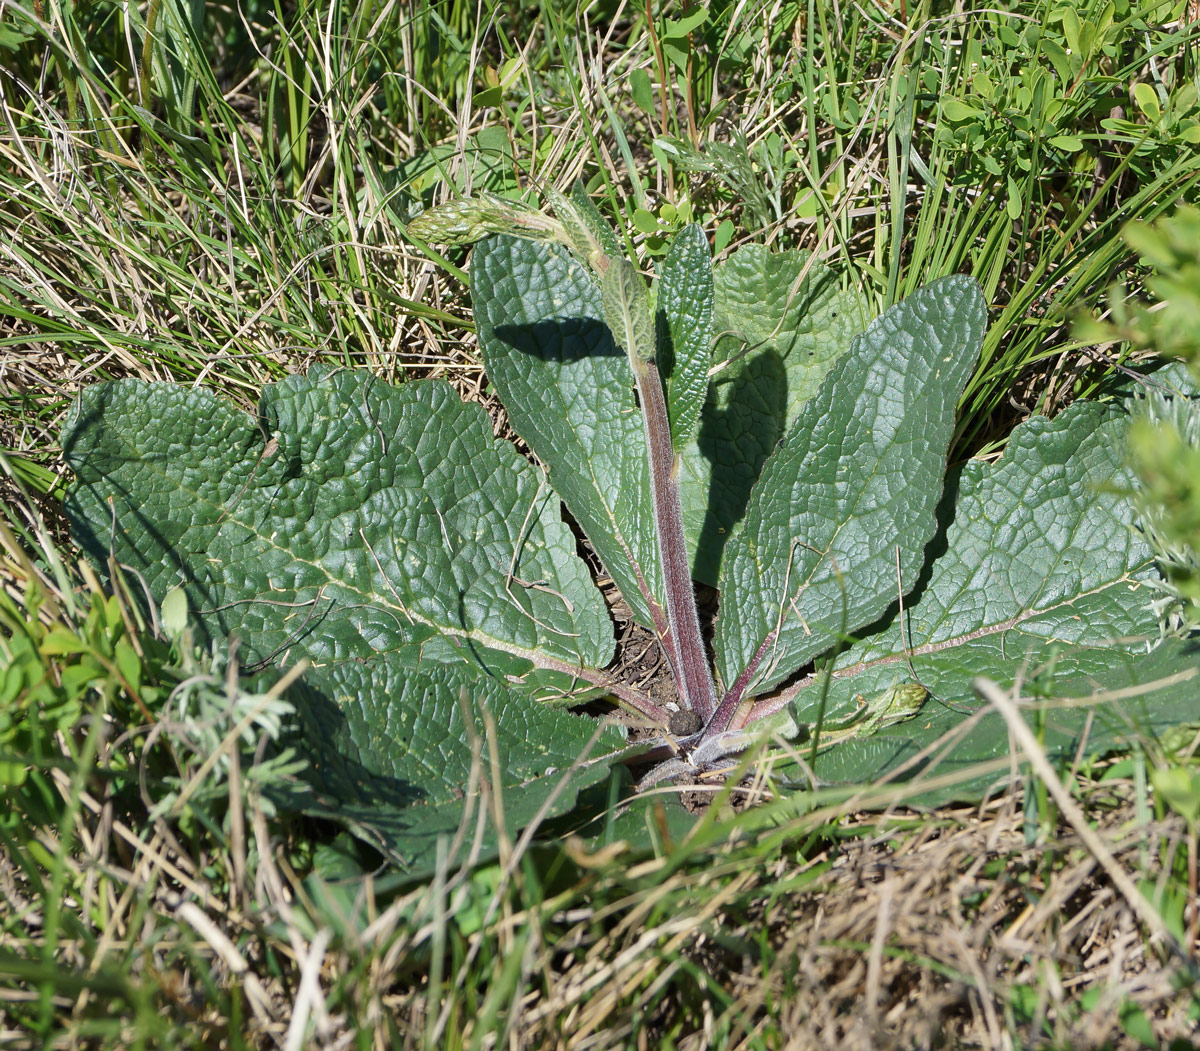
(1028,744)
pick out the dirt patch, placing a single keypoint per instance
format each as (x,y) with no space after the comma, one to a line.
(921,930)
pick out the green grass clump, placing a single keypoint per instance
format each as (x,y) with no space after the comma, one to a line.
(220,195)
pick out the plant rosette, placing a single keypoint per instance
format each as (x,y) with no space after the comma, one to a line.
(742,425)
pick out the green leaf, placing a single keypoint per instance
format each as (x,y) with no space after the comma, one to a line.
(173,611)
(723,235)
(349,518)
(1179,787)
(676,28)
(60,641)
(626,302)
(569,393)
(1067,143)
(1136,1025)
(394,752)
(488,98)
(685,329)
(957,110)
(857,477)
(468,220)
(128,663)
(641,91)
(982,85)
(379,532)
(1070,26)
(486,164)
(781,322)
(1147,100)
(645,221)
(13,37)
(1037,578)
(1037,535)
(604,234)
(1013,205)
(584,231)
(1059,59)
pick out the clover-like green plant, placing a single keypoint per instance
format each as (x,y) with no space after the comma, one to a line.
(741,425)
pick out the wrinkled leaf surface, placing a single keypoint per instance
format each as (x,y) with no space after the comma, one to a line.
(1037,578)
(378,532)
(685,329)
(857,478)
(402,756)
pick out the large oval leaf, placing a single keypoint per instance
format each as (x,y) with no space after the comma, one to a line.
(351,518)
(857,478)
(382,533)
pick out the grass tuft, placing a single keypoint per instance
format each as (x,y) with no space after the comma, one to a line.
(219,195)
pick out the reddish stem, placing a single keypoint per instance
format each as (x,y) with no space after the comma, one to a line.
(722,717)
(684,645)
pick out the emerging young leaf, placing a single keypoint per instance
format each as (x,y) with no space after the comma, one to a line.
(684,322)
(627,310)
(465,221)
(781,322)
(857,477)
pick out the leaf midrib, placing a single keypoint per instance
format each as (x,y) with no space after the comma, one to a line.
(226,514)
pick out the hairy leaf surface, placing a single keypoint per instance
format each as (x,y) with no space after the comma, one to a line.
(627,311)
(685,330)
(781,321)
(857,477)
(351,518)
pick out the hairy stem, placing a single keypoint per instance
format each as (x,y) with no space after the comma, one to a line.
(733,699)
(684,645)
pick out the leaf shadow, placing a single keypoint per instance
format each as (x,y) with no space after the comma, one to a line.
(737,440)
(97,542)
(322,733)
(737,433)
(561,339)
(336,786)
